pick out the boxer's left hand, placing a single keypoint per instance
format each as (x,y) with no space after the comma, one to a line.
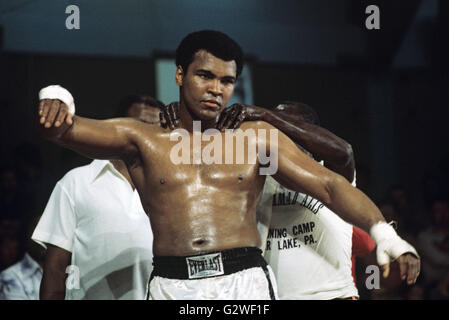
(409,267)
(233,116)
(392,247)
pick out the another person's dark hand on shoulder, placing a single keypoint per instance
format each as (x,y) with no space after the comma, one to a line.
(169,116)
(233,116)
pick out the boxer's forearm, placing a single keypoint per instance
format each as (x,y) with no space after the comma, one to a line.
(97,139)
(352,205)
(336,152)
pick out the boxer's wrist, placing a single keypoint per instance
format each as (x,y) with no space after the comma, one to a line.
(382,231)
(60,93)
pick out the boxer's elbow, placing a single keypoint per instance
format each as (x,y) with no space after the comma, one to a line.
(332,183)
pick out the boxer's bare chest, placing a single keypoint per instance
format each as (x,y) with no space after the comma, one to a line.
(170,163)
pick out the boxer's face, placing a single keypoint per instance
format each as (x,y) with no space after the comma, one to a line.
(207,85)
(144,113)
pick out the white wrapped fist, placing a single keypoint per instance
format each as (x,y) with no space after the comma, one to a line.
(391,247)
(60,93)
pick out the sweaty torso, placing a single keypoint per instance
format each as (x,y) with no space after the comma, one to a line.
(196,207)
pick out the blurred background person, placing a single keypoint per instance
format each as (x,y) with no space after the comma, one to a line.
(433,244)
(22,280)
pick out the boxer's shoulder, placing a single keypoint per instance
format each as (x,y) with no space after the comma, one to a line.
(147,135)
(142,129)
(259,124)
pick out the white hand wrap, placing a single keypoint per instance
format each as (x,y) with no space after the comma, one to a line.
(389,245)
(60,93)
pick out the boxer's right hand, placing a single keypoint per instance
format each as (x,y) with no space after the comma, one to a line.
(53,113)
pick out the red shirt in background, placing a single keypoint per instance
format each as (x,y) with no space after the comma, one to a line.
(362,245)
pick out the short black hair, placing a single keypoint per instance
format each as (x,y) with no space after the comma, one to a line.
(307,112)
(128,101)
(214,42)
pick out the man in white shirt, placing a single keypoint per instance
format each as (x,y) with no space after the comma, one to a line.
(309,248)
(95,229)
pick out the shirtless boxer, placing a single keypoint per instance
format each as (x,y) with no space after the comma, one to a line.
(204,216)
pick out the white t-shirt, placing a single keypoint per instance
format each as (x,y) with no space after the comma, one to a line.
(308,246)
(94,213)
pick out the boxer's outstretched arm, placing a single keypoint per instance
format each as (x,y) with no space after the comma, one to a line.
(301,173)
(99,139)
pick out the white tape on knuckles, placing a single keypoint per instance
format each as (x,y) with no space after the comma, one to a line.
(60,93)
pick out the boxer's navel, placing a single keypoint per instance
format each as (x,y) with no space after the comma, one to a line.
(200,242)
